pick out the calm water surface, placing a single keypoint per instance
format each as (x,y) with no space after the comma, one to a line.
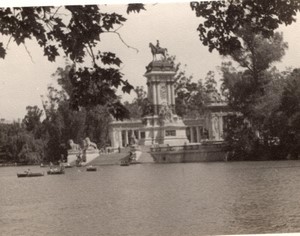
(154,199)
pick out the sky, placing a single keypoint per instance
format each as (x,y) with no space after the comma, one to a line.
(24,78)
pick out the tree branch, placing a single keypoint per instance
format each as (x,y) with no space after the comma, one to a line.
(92,53)
(28,53)
(52,16)
(120,37)
(8,43)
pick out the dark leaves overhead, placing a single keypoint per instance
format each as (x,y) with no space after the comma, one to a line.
(223,19)
(109,58)
(135,7)
(74,31)
(2,51)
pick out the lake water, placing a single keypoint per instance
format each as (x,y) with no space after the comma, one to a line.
(154,199)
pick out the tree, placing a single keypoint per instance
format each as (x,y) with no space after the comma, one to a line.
(257,54)
(32,120)
(249,89)
(76,36)
(140,106)
(224,19)
(289,115)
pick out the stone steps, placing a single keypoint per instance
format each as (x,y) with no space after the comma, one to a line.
(115,158)
(109,159)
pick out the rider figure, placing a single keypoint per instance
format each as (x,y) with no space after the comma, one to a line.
(157,44)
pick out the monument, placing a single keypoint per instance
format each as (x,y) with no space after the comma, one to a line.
(163,126)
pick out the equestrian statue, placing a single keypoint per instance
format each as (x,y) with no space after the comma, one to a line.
(157,50)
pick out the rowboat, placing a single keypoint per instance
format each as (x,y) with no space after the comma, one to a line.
(91,168)
(134,162)
(29,174)
(67,165)
(125,163)
(55,172)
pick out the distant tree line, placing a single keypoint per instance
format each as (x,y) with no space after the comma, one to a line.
(43,134)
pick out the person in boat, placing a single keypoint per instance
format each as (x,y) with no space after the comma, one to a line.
(61,166)
(27,171)
(131,156)
(78,160)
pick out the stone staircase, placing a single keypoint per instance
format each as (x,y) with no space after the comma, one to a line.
(90,156)
(146,157)
(108,159)
(115,158)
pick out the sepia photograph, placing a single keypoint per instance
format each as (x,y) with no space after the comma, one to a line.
(153,118)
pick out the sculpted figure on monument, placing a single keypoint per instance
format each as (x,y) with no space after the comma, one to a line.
(214,96)
(73,146)
(158,50)
(88,145)
(215,127)
(166,113)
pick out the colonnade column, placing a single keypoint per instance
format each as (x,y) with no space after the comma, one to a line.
(126,137)
(221,128)
(198,134)
(120,138)
(192,135)
(139,135)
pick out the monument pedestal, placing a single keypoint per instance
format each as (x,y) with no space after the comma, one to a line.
(160,131)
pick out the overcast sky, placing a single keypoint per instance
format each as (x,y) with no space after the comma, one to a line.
(23,80)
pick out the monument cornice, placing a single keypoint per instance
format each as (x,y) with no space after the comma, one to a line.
(159,73)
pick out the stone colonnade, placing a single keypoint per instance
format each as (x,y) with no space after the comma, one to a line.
(195,134)
(123,137)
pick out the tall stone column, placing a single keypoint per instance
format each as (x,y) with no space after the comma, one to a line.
(169,94)
(221,127)
(192,134)
(154,97)
(173,96)
(198,134)
(120,138)
(126,137)
(158,96)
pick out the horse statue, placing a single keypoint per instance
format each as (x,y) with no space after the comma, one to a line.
(157,50)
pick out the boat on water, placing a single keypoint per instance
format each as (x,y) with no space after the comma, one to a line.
(42,165)
(125,163)
(134,162)
(67,165)
(55,172)
(29,174)
(91,168)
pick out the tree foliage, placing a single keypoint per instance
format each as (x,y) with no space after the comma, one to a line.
(224,19)
(140,106)
(32,120)
(242,87)
(74,31)
(254,90)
